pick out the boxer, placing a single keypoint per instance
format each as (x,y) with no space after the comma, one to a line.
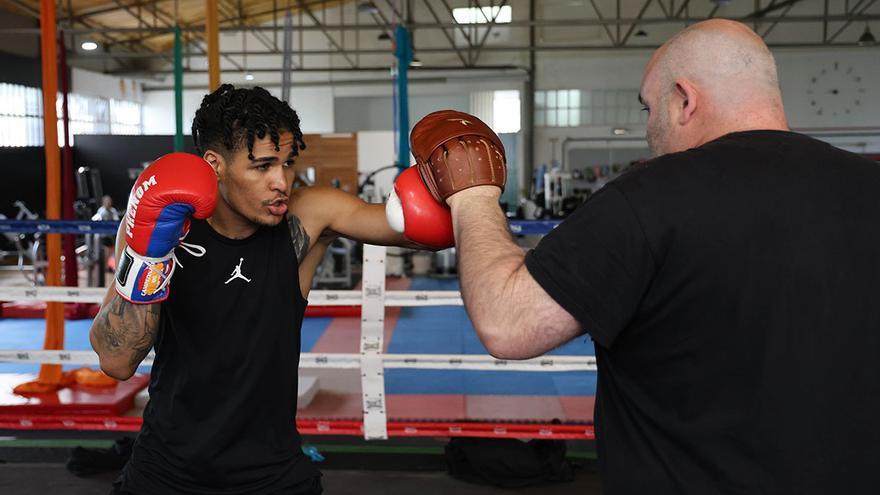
(217,254)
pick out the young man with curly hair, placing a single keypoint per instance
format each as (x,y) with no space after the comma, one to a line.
(244,246)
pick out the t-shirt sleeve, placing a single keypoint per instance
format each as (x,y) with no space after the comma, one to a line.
(596,264)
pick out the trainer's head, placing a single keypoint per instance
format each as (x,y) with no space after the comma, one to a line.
(251,139)
(711,79)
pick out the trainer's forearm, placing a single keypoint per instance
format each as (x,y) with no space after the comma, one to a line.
(488,262)
(122,335)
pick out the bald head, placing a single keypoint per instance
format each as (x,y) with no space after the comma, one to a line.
(710,79)
(720,55)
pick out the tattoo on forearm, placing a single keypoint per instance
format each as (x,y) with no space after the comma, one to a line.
(128,329)
(300,237)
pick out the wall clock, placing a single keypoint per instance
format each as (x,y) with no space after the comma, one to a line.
(836,90)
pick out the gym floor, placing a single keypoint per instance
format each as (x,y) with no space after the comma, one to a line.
(33,463)
(42,479)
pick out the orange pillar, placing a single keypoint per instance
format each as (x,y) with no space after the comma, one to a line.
(212,36)
(50,374)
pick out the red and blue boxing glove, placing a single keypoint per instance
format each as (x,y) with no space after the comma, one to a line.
(172,189)
(412,211)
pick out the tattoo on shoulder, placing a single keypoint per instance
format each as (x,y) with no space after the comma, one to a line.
(300,237)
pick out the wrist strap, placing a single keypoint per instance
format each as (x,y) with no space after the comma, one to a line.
(143,280)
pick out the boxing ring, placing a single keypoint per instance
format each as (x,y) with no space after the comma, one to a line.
(372,360)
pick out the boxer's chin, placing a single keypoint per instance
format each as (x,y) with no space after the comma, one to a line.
(267,219)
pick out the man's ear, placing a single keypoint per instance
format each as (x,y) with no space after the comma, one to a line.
(688,99)
(216,160)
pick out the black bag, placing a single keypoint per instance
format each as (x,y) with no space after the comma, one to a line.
(86,462)
(507,462)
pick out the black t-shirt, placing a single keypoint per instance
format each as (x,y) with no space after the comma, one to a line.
(223,387)
(731,293)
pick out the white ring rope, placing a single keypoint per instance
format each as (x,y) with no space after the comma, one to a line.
(312,360)
(393,298)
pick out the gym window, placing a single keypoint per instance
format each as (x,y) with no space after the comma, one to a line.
(482,15)
(576,107)
(506,111)
(21,116)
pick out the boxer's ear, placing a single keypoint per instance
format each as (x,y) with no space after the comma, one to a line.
(214,159)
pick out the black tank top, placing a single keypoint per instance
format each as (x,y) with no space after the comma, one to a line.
(223,386)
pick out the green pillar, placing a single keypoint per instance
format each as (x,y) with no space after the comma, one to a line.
(404,53)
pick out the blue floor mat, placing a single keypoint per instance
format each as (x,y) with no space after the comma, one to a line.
(447,330)
(28,333)
(400,381)
(312,329)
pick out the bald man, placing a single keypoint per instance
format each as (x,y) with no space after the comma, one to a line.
(729,287)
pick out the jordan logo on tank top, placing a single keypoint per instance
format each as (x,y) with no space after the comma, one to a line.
(236,273)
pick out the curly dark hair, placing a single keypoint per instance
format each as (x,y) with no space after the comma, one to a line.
(230,117)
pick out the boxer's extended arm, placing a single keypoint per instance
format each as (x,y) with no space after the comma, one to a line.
(318,215)
(514,317)
(329,211)
(123,333)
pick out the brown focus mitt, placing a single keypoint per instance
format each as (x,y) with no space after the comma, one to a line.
(455,151)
